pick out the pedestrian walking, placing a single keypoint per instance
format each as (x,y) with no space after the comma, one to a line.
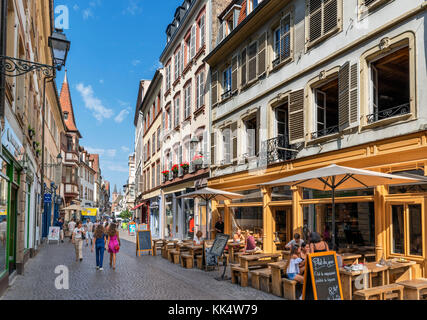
(60,223)
(89,238)
(113,244)
(77,239)
(71,226)
(99,244)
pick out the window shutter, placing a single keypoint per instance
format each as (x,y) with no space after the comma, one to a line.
(344,96)
(262,53)
(182,58)
(180,154)
(243,76)
(214,88)
(315,19)
(220,33)
(252,62)
(202,30)
(213,148)
(285,37)
(205,151)
(296,116)
(193,41)
(330,15)
(353,93)
(234,69)
(234,141)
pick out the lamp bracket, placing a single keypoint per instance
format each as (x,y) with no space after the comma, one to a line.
(14,67)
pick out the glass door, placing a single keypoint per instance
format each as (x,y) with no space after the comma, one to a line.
(12,230)
(282,226)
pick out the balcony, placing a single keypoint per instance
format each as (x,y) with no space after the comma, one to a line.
(279,150)
(69,156)
(325,132)
(379,115)
(71,189)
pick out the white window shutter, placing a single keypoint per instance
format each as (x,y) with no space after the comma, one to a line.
(193,41)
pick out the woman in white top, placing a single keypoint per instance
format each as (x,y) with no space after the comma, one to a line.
(77,239)
(293,264)
(198,238)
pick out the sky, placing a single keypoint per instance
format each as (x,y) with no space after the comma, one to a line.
(114,45)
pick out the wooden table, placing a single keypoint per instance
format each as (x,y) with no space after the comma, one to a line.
(414,289)
(194,249)
(233,246)
(276,277)
(155,241)
(260,259)
(399,271)
(347,279)
(350,258)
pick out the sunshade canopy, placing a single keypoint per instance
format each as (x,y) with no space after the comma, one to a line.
(74,207)
(211,194)
(342,178)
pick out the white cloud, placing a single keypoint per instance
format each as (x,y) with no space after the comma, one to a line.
(111,153)
(133,7)
(122,115)
(99,111)
(136,62)
(87,13)
(101,81)
(76,7)
(156,65)
(102,152)
(117,168)
(125,149)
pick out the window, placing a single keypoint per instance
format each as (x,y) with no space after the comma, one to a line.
(168,77)
(65,115)
(177,65)
(187,49)
(158,174)
(323,18)
(390,86)
(282,41)
(252,137)
(153,149)
(252,61)
(226,82)
(243,69)
(252,4)
(326,109)
(226,145)
(193,42)
(406,229)
(202,31)
(153,177)
(176,112)
(367,5)
(187,101)
(200,90)
(158,139)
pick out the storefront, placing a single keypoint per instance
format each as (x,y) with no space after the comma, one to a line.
(154,211)
(390,221)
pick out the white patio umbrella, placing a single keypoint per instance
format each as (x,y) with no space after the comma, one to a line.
(73,207)
(208,194)
(336,177)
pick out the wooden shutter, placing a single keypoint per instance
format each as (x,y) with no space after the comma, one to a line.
(234,69)
(330,15)
(315,19)
(262,53)
(344,96)
(252,62)
(243,75)
(213,148)
(234,141)
(214,87)
(353,93)
(193,41)
(296,116)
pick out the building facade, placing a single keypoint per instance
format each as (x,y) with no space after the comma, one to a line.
(298,85)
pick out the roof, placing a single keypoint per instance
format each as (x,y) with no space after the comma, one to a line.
(95,159)
(143,84)
(67,106)
(147,94)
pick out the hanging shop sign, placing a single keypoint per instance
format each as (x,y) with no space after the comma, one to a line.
(47,197)
(3,212)
(12,143)
(90,212)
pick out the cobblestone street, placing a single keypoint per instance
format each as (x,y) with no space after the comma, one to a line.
(143,278)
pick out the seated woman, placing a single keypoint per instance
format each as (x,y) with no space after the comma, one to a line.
(238,236)
(198,238)
(317,244)
(250,244)
(293,265)
(305,251)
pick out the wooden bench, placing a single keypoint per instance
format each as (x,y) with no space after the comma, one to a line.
(388,292)
(175,256)
(238,272)
(265,280)
(187,260)
(414,289)
(169,254)
(199,261)
(255,277)
(289,289)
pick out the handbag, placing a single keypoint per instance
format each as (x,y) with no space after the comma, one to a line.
(117,248)
(83,236)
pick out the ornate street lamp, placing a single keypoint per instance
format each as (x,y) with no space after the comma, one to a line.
(59,46)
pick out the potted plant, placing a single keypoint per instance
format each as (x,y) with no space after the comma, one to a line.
(166,174)
(38,151)
(175,169)
(198,160)
(185,166)
(36,145)
(31,132)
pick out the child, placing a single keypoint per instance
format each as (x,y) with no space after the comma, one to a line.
(113,244)
(293,265)
(100,246)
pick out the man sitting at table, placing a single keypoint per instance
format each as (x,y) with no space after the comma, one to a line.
(295,241)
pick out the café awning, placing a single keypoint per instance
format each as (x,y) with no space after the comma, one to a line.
(73,207)
(138,206)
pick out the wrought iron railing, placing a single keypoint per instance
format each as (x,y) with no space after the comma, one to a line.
(278,149)
(226,94)
(325,132)
(388,113)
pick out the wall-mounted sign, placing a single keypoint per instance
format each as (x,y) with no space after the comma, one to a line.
(47,197)
(11,142)
(90,212)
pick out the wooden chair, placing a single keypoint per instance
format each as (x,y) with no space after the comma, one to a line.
(388,292)
(414,289)
(175,256)
(289,289)
(239,273)
(187,260)
(199,261)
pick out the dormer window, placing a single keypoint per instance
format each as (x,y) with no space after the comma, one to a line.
(252,4)
(65,115)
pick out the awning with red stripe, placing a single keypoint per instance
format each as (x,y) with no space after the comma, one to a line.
(139,205)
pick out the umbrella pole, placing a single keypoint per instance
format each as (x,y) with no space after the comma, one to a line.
(207,219)
(333,218)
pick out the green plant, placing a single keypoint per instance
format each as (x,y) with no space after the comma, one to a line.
(125,214)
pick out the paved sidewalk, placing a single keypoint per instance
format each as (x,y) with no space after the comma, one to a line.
(143,278)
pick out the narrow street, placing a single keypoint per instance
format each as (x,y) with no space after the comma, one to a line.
(144,278)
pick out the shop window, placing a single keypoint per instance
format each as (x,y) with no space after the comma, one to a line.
(317,194)
(3,223)
(247,218)
(326,103)
(398,229)
(254,195)
(415,230)
(390,86)
(189,218)
(414,187)
(282,193)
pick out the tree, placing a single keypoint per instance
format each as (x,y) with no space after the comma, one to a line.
(126,214)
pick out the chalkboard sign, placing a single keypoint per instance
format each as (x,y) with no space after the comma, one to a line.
(322,277)
(219,244)
(143,242)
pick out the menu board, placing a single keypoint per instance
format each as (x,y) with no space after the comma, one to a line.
(322,277)
(219,244)
(143,242)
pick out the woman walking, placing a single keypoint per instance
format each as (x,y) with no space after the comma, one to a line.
(77,239)
(113,243)
(99,244)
